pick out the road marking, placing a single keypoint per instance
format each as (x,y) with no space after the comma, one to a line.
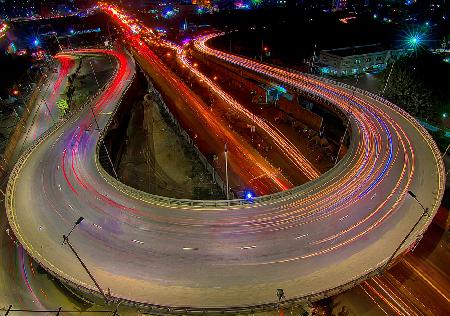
(59,187)
(247,247)
(98,226)
(344,217)
(189,248)
(301,236)
(138,241)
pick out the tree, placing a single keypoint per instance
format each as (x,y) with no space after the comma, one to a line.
(419,84)
(407,90)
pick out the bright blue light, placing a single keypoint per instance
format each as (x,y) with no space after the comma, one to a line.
(36,42)
(415,40)
(281,89)
(249,196)
(71,31)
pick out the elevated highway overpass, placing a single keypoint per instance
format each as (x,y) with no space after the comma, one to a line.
(312,241)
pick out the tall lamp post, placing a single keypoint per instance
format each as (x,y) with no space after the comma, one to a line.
(226,171)
(66,241)
(424,213)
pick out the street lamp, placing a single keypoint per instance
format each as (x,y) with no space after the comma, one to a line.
(75,225)
(424,213)
(226,170)
(66,241)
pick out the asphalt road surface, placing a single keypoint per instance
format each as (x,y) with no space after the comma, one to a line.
(315,237)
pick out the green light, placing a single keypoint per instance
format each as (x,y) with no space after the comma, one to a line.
(444,115)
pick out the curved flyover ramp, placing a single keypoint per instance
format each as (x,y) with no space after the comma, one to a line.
(309,241)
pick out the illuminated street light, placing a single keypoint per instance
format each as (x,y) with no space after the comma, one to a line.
(36,42)
(444,115)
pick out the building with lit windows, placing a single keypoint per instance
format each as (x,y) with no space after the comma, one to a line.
(356,59)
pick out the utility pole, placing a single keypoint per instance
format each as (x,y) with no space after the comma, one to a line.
(424,213)
(226,171)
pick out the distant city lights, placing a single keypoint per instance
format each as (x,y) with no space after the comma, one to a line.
(3,28)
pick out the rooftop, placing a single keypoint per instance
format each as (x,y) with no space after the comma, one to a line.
(355,50)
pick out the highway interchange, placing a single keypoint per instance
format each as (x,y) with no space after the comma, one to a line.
(337,228)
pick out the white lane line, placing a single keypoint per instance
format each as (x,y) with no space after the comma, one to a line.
(137,241)
(247,247)
(59,187)
(344,217)
(301,236)
(97,226)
